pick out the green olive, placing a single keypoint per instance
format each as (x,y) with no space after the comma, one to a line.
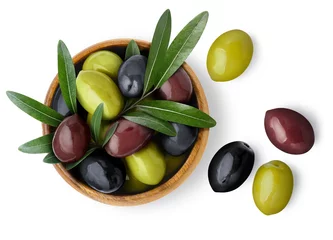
(272,187)
(103,129)
(229,55)
(94,88)
(174,163)
(147,165)
(132,185)
(104,61)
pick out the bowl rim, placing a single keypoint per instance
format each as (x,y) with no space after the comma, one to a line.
(156,192)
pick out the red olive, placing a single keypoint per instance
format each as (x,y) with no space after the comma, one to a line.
(128,138)
(289,130)
(71,139)
(178,88)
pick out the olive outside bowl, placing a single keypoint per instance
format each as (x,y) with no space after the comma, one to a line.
(119,45)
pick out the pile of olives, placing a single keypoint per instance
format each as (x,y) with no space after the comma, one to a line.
(228,57)
(136,158)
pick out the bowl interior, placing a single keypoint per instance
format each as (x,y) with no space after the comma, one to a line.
(168,184)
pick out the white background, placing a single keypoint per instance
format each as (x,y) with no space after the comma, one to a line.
(292,67)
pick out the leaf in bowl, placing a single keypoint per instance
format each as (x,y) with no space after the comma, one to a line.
(51,159)
(132,49)
(42,144)
(96,121)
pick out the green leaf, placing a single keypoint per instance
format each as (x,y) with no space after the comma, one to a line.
(51,159)
(39,145)
(177,112)
(35,109)
(149,121)
(129,102)
(157,50)
(96,121)
(132,49)
(67,76)
(72,165)
(181,47)
(110,133)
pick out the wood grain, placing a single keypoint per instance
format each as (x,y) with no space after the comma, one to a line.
(173,182)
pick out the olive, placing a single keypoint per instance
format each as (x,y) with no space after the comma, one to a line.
(105,125)
(147,165)
(58,103)
(229,55)
(71,139)
(131,76)
(230,166)
(94,88)
(103,172)
(128,138)
(104,61)
(183,141)
(289,131)
(174,163)
(272,187)
(132,185)
(178,88)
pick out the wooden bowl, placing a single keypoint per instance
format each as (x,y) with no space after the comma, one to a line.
(118,46)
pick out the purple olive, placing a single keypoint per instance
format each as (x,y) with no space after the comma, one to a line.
(71,139)
(128,138)
(178,88)
(289,130)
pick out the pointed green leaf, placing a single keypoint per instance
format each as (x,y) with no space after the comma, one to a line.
(181,47)
(67,76)
(132,49)
(72,165)
(35,109)
(149,121)
(110,133)
(177,112)
(39,145)
(96,121)
(51,159)
(157,50)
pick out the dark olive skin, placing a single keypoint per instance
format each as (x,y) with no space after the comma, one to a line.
(131,76)
(178,88)
(183,141)
(128,139)
(230,166)
(103,172)
(58,103)
(71,139)
(289,131)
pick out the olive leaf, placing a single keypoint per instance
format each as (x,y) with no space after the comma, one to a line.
(96,120)
(149,121)
(157,49)
(35,109)
(177,112)
(181,47)
(110,133)
(39,145)
(51,159)
(132,49)
(72,165)
(67,76)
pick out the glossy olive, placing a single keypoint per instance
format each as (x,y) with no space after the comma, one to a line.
(71,139)
(183,141)
(103,172)
(272,187)
(174,163)
(231,166)
(147,165)
(128,138)
(58,103)
(94,88)
(289,131)
(104,61)
(229,55)
(178,88)
(131,76)
(133,186)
